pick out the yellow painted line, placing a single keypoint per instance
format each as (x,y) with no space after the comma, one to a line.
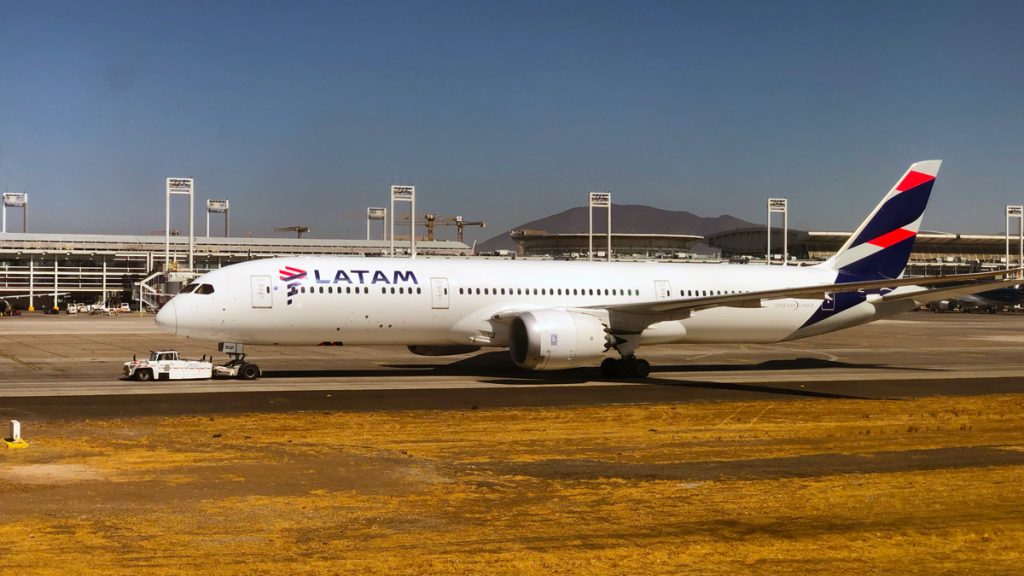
(19,361)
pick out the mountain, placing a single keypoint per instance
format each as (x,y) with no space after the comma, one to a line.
(626,219)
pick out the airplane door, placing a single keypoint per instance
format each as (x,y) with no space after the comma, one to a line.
(262,295)
(439,293)
(662,290)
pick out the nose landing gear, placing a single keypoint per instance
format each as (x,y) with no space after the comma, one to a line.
(237,367)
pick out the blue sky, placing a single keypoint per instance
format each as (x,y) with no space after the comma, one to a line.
(303,112)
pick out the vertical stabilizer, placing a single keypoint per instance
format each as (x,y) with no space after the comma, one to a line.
(881,245)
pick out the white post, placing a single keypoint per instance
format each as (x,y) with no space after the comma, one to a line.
(15,430)
(778,205)
(103,282)
(56,271)
(167,228)
(590,228)
(608,253)
(376,213)
(207,221)
(15,200)
(31,284)
(191,230)
(179,186)
(1015,211)
(404,194)
(785,237)
(599,200)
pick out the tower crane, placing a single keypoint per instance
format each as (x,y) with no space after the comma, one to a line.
(430,221)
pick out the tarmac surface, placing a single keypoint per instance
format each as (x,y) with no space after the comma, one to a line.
(71,365)
(891,448)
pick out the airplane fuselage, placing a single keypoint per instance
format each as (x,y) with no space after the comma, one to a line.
(442,302)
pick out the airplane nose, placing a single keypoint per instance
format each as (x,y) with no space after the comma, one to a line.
(167,318)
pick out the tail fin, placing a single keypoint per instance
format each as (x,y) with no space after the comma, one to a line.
(881,245)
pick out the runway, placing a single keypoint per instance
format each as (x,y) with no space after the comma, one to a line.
(919,354)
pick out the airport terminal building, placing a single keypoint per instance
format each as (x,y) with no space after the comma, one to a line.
(37,269)
(934,252)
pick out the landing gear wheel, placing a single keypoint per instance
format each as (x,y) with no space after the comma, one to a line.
(609,367)
(249,372)
(628,367)
(641,368)
(624,367)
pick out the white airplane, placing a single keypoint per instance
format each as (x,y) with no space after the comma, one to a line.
(553,314)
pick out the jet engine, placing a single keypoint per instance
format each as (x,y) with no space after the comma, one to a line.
(452,350)
(556,339)
(5,307)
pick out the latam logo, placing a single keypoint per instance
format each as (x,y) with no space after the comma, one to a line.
(293,278)
(365,277)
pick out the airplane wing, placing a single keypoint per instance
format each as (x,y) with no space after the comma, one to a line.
(935,294)
(634,317)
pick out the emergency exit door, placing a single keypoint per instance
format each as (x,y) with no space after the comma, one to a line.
(439,293)
(662,290)
(262,295)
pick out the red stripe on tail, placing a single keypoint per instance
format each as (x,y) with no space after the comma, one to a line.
(895,237)
(913,180)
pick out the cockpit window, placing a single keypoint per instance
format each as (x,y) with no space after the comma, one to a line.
(189,289)
(205,289)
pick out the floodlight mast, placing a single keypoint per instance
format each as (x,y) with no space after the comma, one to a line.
(182,186)
(217,207)
(376,213)
(778,205)
(404,194)
(1015,211)
(599,200)
(15,200)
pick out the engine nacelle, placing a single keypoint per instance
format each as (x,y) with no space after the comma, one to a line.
(452,350)
(556,339)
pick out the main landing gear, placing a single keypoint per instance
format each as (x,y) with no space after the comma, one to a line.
(626,367)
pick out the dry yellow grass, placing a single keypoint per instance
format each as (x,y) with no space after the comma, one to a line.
(924,486)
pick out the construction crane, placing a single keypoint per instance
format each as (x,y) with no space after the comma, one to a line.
(430,221)
(299,230)
(461,224)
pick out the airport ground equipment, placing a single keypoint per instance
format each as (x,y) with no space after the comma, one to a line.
(168,365)
(14,440)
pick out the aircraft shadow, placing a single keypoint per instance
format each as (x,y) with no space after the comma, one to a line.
(497,368)
(786,364)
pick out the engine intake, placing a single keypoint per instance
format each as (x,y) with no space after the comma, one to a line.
(556,339)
